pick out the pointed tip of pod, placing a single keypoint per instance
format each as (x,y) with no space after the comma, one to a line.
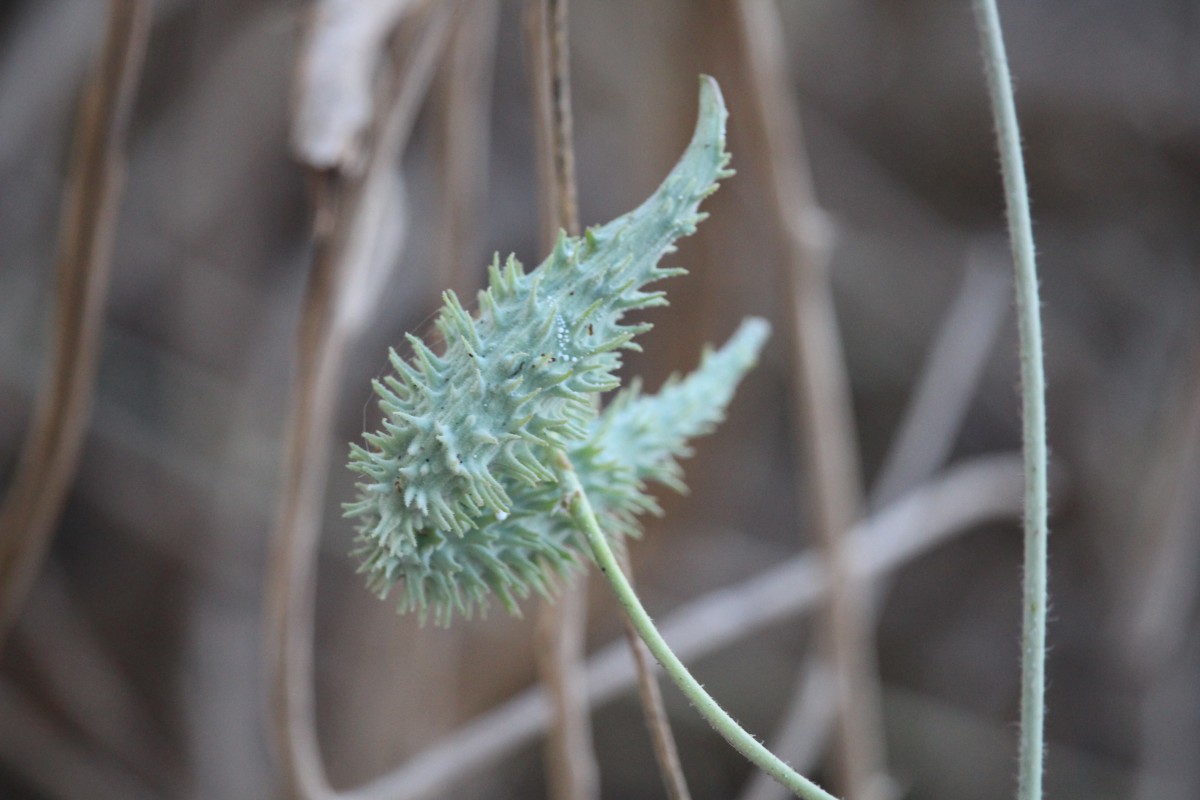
(753,331)
(710,121)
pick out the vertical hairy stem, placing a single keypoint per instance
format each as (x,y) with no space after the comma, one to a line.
(585,519)
(1033,401)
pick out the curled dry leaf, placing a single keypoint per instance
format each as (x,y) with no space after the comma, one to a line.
(334,86)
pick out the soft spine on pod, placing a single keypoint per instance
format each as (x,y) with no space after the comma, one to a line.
(469,434)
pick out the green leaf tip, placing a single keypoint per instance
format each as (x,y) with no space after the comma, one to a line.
(458,501)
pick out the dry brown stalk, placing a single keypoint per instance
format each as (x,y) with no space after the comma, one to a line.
(55,762)
(465,99)
(666,753)
(84,680)
(821,396)
(571,769)
(335,305)
(50,452)
(933,418)
(1164,592)
(550,66)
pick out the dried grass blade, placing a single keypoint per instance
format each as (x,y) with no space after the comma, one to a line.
(50,453)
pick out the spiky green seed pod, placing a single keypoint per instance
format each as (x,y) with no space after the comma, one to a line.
(638,439)
(466,431)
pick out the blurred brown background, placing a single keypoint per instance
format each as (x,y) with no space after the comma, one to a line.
(135,669)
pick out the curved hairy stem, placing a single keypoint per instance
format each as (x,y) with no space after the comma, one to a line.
(1033,401)
(585,518)
(975,492)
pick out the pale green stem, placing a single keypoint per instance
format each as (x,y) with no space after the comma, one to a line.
(1020,228)
(743,742)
